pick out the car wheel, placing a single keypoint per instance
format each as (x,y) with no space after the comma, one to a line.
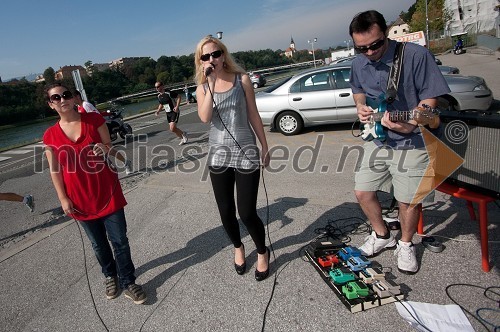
(255,85)
(447,103)
(289,123)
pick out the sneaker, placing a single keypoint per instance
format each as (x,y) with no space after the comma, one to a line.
(184,138)
(407,260)
(373,245)
(111,287)
(128,167)
(30,202)
(136,293)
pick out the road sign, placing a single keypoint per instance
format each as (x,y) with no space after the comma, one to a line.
(414,37)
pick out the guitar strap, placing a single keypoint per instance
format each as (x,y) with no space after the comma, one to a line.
(395,73)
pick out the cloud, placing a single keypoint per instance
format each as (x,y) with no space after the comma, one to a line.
(326,21)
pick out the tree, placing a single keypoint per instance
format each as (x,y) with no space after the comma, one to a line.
(436,15)
(49,75)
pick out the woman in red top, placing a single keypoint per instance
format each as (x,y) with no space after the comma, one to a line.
(88,188)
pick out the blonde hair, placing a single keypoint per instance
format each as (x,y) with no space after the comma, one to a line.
(230,65)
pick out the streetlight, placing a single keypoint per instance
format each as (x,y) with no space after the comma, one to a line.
(426,25)
(219,35)
(347,42)
(312,43)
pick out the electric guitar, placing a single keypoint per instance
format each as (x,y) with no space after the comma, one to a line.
(374,129)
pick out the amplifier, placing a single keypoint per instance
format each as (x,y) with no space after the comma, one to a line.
(476,138)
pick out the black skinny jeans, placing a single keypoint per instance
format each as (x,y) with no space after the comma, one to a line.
(247,187)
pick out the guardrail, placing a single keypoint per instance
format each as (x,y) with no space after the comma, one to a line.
(180,85)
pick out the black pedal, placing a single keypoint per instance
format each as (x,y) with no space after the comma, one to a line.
(325,248)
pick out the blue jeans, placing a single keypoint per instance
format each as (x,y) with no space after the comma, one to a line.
(114,228)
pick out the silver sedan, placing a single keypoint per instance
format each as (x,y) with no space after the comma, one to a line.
(323,96)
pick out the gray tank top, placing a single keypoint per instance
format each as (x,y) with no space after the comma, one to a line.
(224,152)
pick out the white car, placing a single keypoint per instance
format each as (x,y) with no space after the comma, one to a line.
(323,96)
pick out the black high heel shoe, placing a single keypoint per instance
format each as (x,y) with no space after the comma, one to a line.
(241,269)
(259,276)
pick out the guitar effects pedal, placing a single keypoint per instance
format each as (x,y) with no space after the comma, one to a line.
(386,288)
(358,263)
(342,275)
(371,274)
(347,252)
(355,289)
(328,261)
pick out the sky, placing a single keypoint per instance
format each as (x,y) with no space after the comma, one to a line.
(36,34)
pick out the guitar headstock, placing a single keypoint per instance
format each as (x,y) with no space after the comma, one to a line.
(425,115)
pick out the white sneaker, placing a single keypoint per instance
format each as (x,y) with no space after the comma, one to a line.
(128,167)
(407,260)
(184,138)
(374,245)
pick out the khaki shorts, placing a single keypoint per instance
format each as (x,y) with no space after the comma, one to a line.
(394,171)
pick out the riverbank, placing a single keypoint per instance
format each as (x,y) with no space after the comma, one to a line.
(29,132)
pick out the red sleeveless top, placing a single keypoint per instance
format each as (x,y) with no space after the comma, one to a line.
(90,183)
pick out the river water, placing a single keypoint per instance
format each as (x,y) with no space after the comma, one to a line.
(20,135)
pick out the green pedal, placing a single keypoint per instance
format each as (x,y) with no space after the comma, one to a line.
(355,289)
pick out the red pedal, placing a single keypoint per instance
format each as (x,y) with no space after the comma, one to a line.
(328,261)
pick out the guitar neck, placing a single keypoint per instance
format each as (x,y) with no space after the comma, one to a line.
(396,116)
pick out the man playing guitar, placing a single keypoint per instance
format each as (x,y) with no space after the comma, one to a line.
(402,157)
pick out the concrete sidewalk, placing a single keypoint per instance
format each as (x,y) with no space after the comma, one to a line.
(185,261)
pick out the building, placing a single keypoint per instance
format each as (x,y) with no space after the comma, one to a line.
(96,67)
(472,16)
(398,28)
(121,62)
(290,50)
(65,72)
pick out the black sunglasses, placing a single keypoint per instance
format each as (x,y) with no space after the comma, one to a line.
(214,54)
(57,97)
(375,46)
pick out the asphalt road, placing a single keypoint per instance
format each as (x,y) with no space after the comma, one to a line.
(184,260)
(26,171)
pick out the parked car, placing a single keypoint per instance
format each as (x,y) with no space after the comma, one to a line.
(341,60)
(323,96)
(467,93)
(258,80)
(449,70)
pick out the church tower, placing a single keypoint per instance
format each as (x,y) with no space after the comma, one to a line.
(292,44)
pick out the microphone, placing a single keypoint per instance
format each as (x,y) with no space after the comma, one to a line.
(208,71)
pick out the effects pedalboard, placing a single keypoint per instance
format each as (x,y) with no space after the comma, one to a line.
(356,281)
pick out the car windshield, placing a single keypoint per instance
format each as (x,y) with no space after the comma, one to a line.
(277,85)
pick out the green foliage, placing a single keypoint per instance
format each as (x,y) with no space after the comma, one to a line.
(20,102)
(49,75)
(436,14)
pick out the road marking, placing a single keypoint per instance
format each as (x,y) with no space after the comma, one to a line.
(4,158)
(16,152)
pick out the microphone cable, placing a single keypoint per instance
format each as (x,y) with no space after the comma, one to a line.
(88,279)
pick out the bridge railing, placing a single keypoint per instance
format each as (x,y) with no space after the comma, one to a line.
(180,85)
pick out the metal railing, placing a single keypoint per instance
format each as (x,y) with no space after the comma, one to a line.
(180,85)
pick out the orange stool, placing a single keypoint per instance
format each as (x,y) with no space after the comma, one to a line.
(470,197)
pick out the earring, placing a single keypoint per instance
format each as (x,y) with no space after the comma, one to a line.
(224,65)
